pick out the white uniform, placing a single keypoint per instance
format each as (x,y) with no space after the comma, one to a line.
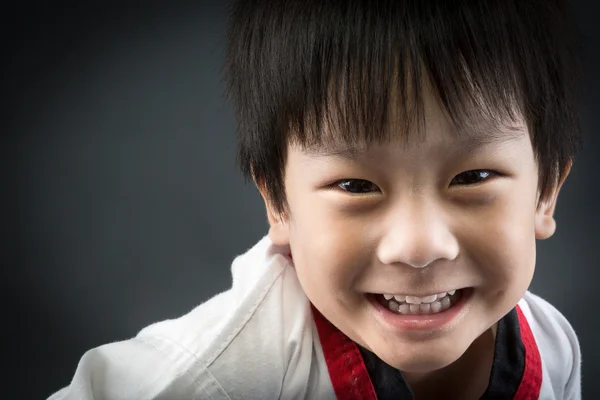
(262,340)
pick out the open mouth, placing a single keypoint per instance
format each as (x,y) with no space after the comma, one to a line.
(426,305)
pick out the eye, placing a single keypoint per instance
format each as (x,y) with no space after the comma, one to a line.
(472,177)
(357,186)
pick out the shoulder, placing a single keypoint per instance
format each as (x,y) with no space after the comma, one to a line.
(549,327)
(254,340)
(210,327)
(243,343)
(558,346)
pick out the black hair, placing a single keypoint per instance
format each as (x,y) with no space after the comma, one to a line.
(295,66)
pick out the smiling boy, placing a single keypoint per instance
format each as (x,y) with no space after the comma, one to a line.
(409,154)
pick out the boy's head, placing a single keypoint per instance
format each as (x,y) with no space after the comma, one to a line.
(407,148)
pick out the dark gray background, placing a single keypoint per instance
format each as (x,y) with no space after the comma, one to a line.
(122,202)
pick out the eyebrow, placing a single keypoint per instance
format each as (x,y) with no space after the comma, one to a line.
(468,140)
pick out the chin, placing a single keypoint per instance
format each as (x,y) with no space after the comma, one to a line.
(419,360)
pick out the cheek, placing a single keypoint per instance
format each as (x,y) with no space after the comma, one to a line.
(329,253)
(502,245)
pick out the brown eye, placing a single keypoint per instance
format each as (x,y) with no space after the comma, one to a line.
(357,186)
(472,177)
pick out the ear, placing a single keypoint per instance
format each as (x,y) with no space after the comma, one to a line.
(545,224)
(279,231)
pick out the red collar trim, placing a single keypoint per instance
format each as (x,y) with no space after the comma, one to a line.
(531,383)
(347,370)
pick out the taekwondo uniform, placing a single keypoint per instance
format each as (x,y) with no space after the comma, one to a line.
(262,339)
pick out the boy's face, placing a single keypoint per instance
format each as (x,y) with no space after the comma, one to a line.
(409,219)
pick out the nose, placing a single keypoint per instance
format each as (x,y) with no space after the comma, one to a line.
(417,235)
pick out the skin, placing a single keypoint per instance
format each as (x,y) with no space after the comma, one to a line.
(418,229)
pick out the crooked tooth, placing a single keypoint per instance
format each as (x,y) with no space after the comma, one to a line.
(400,298)
(388,296)
(451,292)
(393,305)
(446,303)
(403,308)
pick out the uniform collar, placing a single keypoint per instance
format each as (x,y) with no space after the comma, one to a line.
(357,373)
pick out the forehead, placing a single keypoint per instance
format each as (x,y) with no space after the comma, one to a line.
(438,136)
(418,121)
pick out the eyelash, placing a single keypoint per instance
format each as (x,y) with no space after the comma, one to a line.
(339,184)
(487,174)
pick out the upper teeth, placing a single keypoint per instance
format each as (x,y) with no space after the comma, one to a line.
(418,300)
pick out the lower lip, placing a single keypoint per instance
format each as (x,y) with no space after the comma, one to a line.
(422,323)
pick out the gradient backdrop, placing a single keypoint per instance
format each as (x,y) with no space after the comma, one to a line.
(123,202)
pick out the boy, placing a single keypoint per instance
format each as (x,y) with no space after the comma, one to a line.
(409,153)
